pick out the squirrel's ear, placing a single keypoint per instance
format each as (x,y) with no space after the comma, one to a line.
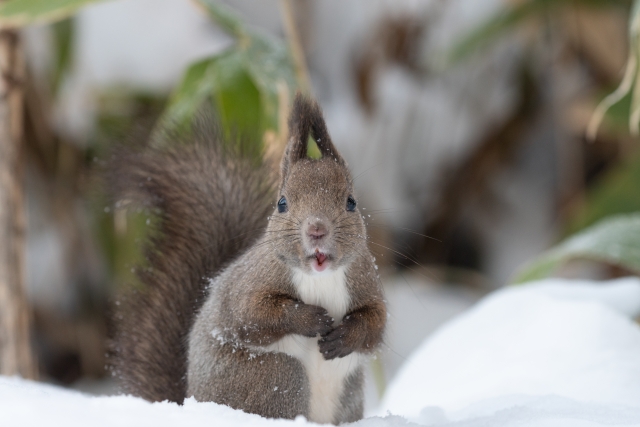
(285,163)
(306,119)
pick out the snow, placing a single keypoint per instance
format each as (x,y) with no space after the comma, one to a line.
(570,343)
(552,353)
(26,403)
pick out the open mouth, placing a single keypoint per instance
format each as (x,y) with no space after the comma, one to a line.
(320,261)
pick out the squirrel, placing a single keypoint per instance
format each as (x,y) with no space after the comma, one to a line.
(271,310)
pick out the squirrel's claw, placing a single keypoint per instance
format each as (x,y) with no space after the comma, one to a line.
(334,345)
(332,351)
(318,321)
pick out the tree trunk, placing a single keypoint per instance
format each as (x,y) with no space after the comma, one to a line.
(16,357)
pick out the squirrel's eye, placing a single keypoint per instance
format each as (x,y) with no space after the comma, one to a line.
(351,204)
(282,205)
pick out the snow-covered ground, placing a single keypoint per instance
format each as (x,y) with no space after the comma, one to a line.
(552,353)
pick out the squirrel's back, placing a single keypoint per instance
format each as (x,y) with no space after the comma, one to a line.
(212,204)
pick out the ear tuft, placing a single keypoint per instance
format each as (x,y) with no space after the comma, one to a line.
(306,119)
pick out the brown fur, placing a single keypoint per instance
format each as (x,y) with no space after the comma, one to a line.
(212,206)
(254,302)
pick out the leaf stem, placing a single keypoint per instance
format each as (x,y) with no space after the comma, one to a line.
(297,53)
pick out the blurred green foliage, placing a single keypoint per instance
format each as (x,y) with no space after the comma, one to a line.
(629,83)
(245,85)
(17,13)
(617,192)
(617,117)
(124,117)
(312,149)
(63,34)
(242,83)
(614,241)
(123,248)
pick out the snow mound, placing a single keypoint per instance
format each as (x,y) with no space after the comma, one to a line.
(552,353)
(553,345)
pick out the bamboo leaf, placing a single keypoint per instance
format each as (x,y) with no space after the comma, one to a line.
(63,35)
(266,60)
(224,17)
(615,241)
(269,64)
(17,13)
(615,193)
(187,98)
(242,82)
(237,98)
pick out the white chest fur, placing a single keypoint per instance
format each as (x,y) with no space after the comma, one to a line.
(327,289)
(326,377)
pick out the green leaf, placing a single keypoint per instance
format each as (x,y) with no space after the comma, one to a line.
(193,90)
(615,241)
(242,82)
(269,64)
(224,17)
(312,148)
(237,98)
(63,34)
(17,13)
(615,193)
(266,59)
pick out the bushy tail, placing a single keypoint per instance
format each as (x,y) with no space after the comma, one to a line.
(212,205)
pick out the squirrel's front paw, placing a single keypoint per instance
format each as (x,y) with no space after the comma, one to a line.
(336,343)
(314,320)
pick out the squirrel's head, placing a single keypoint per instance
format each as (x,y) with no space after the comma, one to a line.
(316,226)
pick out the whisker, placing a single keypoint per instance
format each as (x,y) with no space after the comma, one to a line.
(293,220)
(404,229)
(397,252)
(291,236)
(413,291)
(363,172)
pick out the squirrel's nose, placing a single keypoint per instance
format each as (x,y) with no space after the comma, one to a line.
(316,230)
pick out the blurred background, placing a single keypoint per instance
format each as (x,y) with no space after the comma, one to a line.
(464,122)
